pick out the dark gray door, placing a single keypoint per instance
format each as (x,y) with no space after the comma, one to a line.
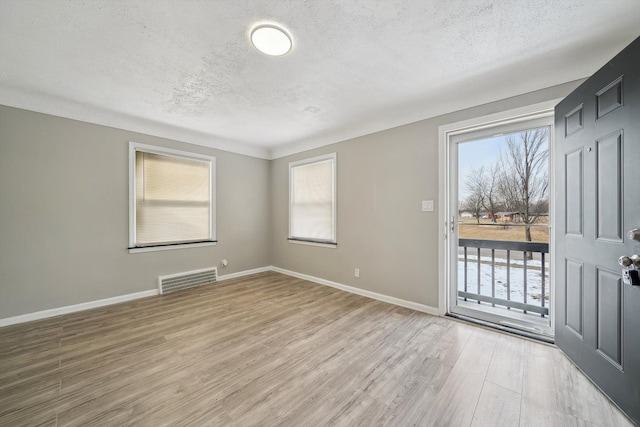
(597,165)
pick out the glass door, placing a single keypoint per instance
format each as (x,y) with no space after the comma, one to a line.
(499,217)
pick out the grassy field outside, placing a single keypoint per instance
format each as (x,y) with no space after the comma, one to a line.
(468,228)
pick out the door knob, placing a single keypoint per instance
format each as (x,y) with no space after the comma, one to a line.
(634,234)
(625,261)
(636,261)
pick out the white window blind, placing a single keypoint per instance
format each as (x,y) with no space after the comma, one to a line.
(173,199)
(312,200)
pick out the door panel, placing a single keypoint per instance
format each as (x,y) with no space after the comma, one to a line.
(573,121)
(597,160)
(574,305)
(609,187)
(609,312)
(573,193)
(609,98)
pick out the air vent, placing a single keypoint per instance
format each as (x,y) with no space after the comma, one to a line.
(186,280)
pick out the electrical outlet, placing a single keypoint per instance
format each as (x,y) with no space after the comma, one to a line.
(356,272)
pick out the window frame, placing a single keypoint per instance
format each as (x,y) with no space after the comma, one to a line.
(135,147)
(333,243)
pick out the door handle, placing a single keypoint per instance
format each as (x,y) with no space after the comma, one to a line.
(633,261)
(625,261)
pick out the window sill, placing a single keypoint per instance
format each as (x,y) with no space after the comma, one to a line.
(170,247)
(312,243)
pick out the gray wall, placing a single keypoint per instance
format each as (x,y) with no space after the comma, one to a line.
(382,178)
(64,214)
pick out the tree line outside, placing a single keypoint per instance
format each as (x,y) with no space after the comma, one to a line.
(517,181)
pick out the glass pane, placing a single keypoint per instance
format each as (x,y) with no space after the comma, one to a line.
(503,187)
(503,232)
(172,199)
(174,178)
(312,200)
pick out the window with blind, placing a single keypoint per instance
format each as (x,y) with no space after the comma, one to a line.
(312,200)
(172,200)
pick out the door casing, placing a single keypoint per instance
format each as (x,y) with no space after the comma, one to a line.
(446,191)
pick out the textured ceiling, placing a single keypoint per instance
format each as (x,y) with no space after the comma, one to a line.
(185,69)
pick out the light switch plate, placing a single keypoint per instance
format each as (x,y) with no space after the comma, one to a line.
(427,206)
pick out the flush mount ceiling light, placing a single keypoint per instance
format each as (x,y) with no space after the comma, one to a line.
(271,39)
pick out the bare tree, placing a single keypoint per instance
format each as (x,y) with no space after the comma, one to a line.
(523,177)
(474,204)
(542,207)
(482,185)
(475,185)
(491,189)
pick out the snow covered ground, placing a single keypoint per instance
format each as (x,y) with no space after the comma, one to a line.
(534,278)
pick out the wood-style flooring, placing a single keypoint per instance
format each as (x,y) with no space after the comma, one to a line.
(270,349)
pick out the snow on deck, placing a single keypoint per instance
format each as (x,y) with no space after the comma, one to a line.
(516,282)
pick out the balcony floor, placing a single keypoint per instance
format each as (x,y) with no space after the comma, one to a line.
(531,319)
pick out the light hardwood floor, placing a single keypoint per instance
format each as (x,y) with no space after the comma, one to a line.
(269,349)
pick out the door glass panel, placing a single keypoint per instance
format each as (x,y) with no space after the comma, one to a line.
(502,255)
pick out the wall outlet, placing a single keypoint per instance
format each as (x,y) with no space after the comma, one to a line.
(356,272)
(224,262)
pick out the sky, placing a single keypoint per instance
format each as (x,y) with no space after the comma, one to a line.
(474,154)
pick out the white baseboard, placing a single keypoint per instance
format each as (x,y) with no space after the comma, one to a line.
(369,294)
(39,315)
(244,273)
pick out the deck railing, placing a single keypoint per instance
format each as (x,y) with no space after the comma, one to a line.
(520,248)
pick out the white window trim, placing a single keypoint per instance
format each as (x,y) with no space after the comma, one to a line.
(334,226)
(310,243)
(154,149)
(445,132)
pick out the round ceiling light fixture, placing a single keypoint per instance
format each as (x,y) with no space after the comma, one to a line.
(271,39)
